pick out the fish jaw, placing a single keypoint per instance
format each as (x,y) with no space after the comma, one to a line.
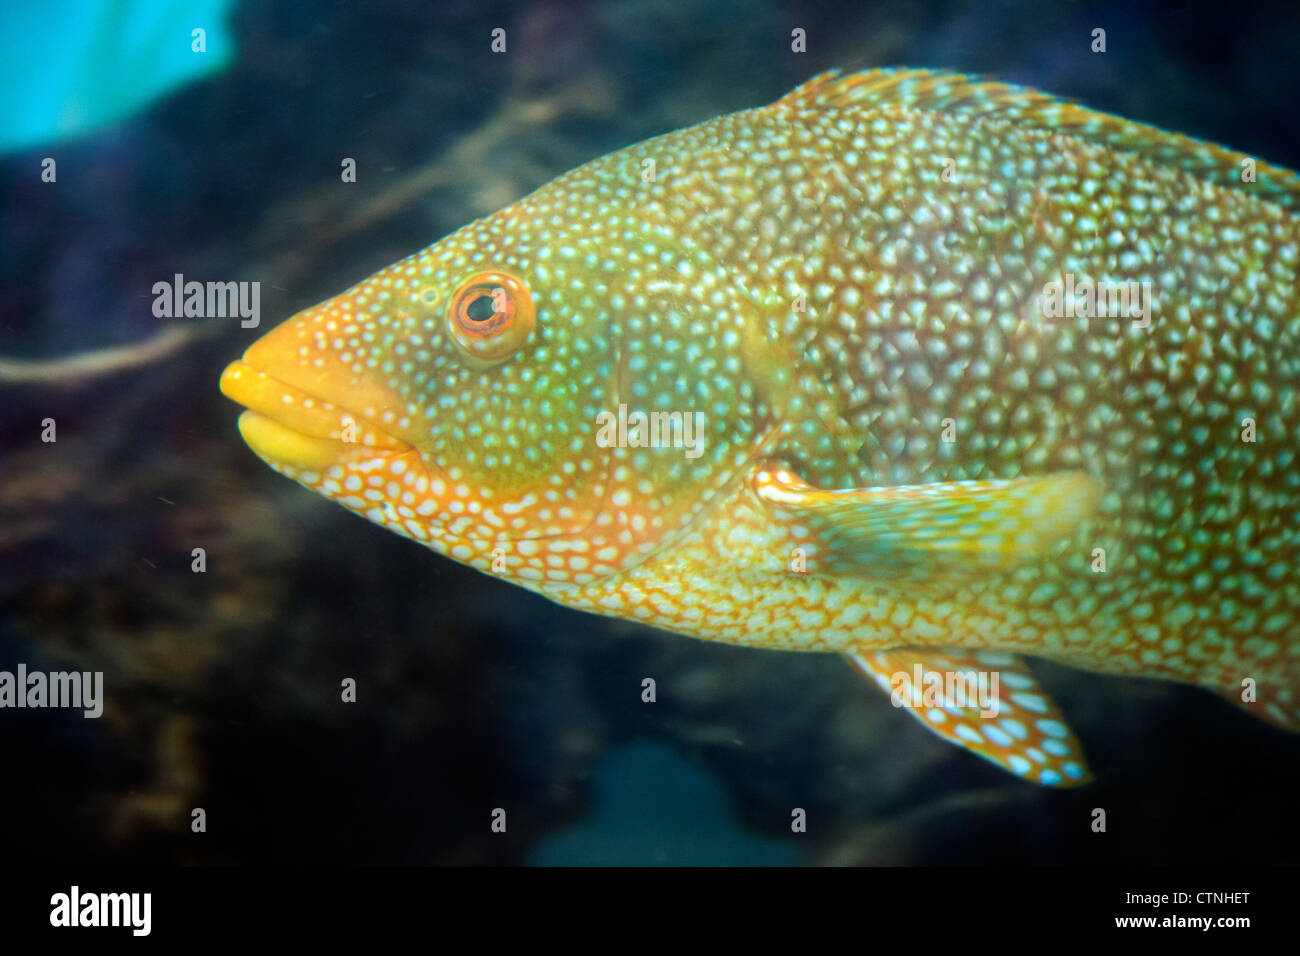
(352,439)
(294,383)
(290,428)
(377,475)
(349,452)
(383,479)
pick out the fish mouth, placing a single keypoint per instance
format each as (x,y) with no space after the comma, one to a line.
(289,427)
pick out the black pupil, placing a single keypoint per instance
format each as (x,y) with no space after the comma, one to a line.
(481,309)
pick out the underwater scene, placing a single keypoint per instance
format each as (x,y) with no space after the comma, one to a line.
(648,433)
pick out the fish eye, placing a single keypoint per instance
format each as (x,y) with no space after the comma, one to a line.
(490,316)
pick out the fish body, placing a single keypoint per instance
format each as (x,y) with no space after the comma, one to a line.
(975,373)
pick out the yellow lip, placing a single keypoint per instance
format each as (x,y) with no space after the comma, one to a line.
(290,427)
(282,445)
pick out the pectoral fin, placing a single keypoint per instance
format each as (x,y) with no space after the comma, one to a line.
(980,524)
(985,701)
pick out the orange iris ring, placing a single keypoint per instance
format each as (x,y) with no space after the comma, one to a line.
(499,336)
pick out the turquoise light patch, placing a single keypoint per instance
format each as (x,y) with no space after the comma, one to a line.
(71,66)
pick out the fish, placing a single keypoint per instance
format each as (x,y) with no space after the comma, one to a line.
(973,375)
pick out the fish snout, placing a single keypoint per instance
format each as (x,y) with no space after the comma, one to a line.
(306,407)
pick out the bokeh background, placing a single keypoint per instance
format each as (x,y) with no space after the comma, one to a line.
(223,687)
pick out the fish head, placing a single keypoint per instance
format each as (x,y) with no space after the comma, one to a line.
(546,403)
